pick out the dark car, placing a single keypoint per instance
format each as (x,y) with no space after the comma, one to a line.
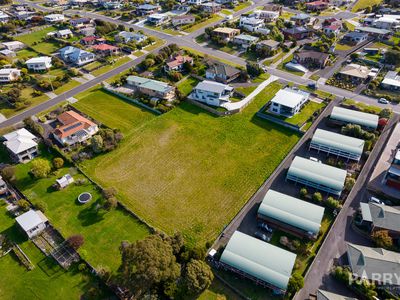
(264,226)
(262,236)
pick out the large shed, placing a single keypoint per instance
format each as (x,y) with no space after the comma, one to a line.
(337,144)
(259,261)
(317,175)
(290,214)
(345,116)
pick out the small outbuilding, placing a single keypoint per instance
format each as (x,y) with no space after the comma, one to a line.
(64,181)
(33,222)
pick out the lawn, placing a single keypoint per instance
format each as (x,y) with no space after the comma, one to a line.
(286,15)
(164,30)
(242,6)
(103,231)
(362,4)
(363,107)
(282,67)
(66,87)
(111,110)
(138,53)
(109,67)
(226,12)
(46,281)
(199,53)
(158,43)
(37,36)
(26,54)
(189,171)
(270,61)
(205,23)
(218,291)
(350,26)
(187,85)
(246,90)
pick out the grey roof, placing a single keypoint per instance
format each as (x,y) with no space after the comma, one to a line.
(367,262)
(259,259)
(150,84)
(292,211)
(300,16)
(269,43)
(355,117)
(211,86)
(325,295)
(30,219)
(219,68)
(295,30)
(372,30)
(355,34)
(19,141)
(384,216)
(365,212)
(338,141)
(318,173)
(246,37)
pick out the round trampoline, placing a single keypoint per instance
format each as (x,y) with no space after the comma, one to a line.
(84,197)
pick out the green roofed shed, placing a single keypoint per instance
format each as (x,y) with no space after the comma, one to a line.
(259,260)
(355,117)
(281,208)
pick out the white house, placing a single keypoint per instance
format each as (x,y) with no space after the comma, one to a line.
(64,34)
(54,18)
(41,63)
(13,46)
(21,144)
(33,222)
(391,81)
(76,56)
(158,19)
(288,102)
(251,24)
(245,40)
(8,75)
(196,2)
(266,15)
(4,18)
(211,93)
(127,37)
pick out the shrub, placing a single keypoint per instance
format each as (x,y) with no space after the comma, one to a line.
(111,203)
(109,192)
(82,267)
(23,204)
(42,206)
(76,241)
(40,168)
(317,197)
(303,193)
(58,162)
(332,203)
(382,239)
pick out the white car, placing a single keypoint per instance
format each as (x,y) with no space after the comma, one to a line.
(383,101)
(376,200)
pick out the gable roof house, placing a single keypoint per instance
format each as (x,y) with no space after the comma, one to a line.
(157,19)
(245,40)
(13,45)
(317,5)
(33,222)
(4,18)
(176,62)
(147,9)
(87,31)
(77,22)
(64,34)
(300,19)
(297,33)
(76,56)
(355,73)
(183,20)
(325,295)
(105,49)
(311,59)
(21,145)
(391,81)
(152,88)
(7,53)
(354,37)
(211,93)
(54,18)
(225,33)
(211,7)
(264,263)
(127,37)
(41,63)
(221,72)
(292,215)
(251,24)
(331,29)
(74,128)
(9,74)
(270,45)
(374,264)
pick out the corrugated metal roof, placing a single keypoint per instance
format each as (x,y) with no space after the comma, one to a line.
(292,211)
(259,259)
(338,141)
(318,173)
(355,117)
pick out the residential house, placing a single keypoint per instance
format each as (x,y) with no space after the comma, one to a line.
(89,40)
(196,2)
(21,145)
(152,88)
(87,31)
(41,63)
(221,72)
(373,32)
(9,75)
(288,101)
(183,20)
(64,34)
(300,19)
(269,45)
(7,53)
(112,5)
(105,50)
(54,18)
(180,9)
(25,15)
(177,62)
(147,9)
(245,40)
(317,5)
(211,7)
(354,37)
(79,22)
(332,21)
(389,22)
(33,222)
(76,56)
(355,73)
(266,15)
(331,29)
(251,24)
(311,59)
(128,37)
(225,33)
(13,45)
(4,18)
(374,264)
(3,187)
(211,93)
(391,81)
(325,295)
(297,33)
(157,19)
(224,2)
(273,7)
(74,128)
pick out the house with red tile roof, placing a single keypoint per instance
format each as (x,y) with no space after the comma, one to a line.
(73,128)
(176,63)
(317,5)
(105,49)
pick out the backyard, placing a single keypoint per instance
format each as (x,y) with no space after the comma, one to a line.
(34,40)
(205,23)
(187,170)
(186,85)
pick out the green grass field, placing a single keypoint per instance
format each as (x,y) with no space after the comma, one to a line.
(187,85)
(362,4)
(26,54)
(158,43)
(205,23)
(242,6)
(189,171)
(103,231)
(282,67)
(109,67)
(41,47)
(199,53)
(66,87)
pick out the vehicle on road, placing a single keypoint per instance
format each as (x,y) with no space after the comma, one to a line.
(376,200)
(383,101)
(264,226)
(230,17)
(262,236)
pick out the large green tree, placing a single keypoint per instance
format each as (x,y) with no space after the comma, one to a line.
(198,276)
(40,168)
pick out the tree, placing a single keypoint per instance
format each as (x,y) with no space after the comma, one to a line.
(76,241)
(296,282)
(42,206)
(392,57)
(58,162)
(198,276)
(349,183)
(8,173)
(23,204)
(40,168)
(111,203)
(332,203)
(317,197)
(382,239)
(254,69)
(109,192)
(97,143)
(148,264)
(385,113)
(303,193)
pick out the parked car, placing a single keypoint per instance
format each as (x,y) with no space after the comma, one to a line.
(262,236)
(383,101)
(264,226)
(229,17)
(376,200)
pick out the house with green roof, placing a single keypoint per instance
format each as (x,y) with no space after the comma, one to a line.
(289,214)
(342,115)
(337,144)
(152,88)
(261,262)
(317,175)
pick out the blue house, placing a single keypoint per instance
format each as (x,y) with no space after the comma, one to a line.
(76,56)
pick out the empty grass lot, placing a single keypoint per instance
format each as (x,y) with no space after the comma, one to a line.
(205,23)
(187,85)
(362,4)
(37,36)
(66,87)
(189,171)
(109,67)
(242,6)
(103,231)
